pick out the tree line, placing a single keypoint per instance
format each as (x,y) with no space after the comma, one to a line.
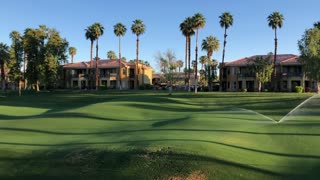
(38,53)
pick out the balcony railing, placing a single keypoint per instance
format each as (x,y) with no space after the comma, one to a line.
(246,75)
(109,75)
(292,74)
(79,75)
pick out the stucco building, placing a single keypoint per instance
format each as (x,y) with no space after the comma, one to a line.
(82,74)
(289,73)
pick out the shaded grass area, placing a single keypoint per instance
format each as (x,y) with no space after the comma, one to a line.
(150,135)
(161,163)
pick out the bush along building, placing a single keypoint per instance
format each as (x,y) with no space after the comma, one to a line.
(82,75)
(239,76)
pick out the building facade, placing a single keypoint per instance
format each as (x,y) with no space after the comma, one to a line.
(82,74)
(289,73)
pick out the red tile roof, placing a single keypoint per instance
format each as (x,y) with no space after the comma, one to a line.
(103,63)
(175,75)
(283,59)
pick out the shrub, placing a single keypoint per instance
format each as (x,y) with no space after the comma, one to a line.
(103,87)
(307,89)
(299,89)
(265,90)
(145,87)
(244,89)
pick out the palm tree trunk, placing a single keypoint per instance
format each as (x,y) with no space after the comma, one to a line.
(186,62)
(90,76)
(223,54)
(24,69)
(209,73)
(137,61)
(189,62)
(97,60)
(196,68)
(91,49)
(120,71)
(275,60)
(72,58)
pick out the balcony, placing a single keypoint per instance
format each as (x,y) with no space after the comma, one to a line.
(246,75)
(79,75)
(292,74)
(111,76)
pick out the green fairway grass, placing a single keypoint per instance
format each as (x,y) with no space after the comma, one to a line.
(151,135)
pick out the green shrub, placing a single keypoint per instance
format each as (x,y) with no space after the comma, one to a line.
(244,89)
(103,87)
(265,90)
(145,87)
(299,89)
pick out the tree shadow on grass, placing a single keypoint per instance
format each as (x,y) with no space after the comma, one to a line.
(170,121)
(157,129)
(136,143)
(162,163)
(111,164)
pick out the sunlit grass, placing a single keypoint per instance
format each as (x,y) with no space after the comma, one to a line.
(234,132)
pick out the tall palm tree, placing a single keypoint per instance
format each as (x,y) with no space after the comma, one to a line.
(111,55)
(226,20)
(186,27)
(210,44)
(72,52)
(199,21)
(137,28)
(179,64)
(203,60)
(275,21)
(90,35)
(97,30)
(4,57)
(119,30)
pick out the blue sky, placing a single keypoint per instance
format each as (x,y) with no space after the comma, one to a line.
(249,35)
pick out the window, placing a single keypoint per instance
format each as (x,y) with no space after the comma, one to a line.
(234,85)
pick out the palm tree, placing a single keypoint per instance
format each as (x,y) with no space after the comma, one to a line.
(90,35)
(275,21)
(199,21)
(72,52)
(119,30)
(97,30)
(137,28)
(179,64)
(203,60)
(4,57)
(210,44)
(186,27)
(164,65)
(111,55)
(226,20)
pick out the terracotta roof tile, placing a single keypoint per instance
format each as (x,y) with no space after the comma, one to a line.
(283,59)
(103,63)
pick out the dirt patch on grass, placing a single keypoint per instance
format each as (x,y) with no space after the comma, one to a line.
(196,175)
